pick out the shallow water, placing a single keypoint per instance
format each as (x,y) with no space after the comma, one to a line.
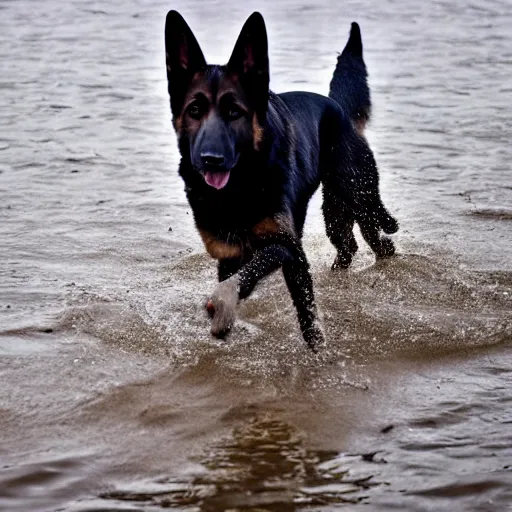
(114,397)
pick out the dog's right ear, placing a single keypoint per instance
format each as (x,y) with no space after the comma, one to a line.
(249,60)
(183,58)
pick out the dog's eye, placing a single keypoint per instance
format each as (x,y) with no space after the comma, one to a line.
(195,111)
(234,113)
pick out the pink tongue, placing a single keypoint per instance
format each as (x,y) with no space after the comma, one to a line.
(217,180)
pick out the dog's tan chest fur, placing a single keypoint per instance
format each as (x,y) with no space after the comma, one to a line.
(221,249)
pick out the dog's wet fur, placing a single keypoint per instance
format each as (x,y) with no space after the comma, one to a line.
(252,159)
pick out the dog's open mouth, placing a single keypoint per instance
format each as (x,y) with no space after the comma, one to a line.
(217,179)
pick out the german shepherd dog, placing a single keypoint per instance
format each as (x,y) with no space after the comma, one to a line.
(252,159)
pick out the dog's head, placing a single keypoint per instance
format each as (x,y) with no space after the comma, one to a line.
(218,111)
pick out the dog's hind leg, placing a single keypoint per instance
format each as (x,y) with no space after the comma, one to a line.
(382,246)
(351,193)
(339,225)
(387,222)
(372,217)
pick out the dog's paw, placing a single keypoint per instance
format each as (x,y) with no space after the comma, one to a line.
(341,262)
(314,337)
(389,225)
(387,248)
(210,308)
(222,307)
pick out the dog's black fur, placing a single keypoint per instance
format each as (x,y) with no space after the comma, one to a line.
(252,159)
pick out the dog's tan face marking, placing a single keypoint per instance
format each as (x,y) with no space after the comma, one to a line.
(257,133)
(178,123)
(198,86)
(360,126)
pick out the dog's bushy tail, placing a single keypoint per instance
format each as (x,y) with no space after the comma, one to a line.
(349,85)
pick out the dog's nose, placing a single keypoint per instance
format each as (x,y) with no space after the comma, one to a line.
(211,160)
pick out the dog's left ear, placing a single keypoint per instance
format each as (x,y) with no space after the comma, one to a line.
(183,57)
(249,59)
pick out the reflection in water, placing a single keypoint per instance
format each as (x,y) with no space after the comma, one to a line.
(264,466)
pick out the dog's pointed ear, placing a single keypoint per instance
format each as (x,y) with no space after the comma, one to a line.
(183,55)
(250,55)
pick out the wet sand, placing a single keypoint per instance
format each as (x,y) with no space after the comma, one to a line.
(114,396)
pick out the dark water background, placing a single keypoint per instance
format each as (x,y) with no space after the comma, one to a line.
(112,394)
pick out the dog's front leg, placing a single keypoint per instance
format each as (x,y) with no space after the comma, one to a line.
(300,284)
(228,267)
(239,286)
(222,306)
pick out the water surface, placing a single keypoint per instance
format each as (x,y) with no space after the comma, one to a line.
(114,397)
